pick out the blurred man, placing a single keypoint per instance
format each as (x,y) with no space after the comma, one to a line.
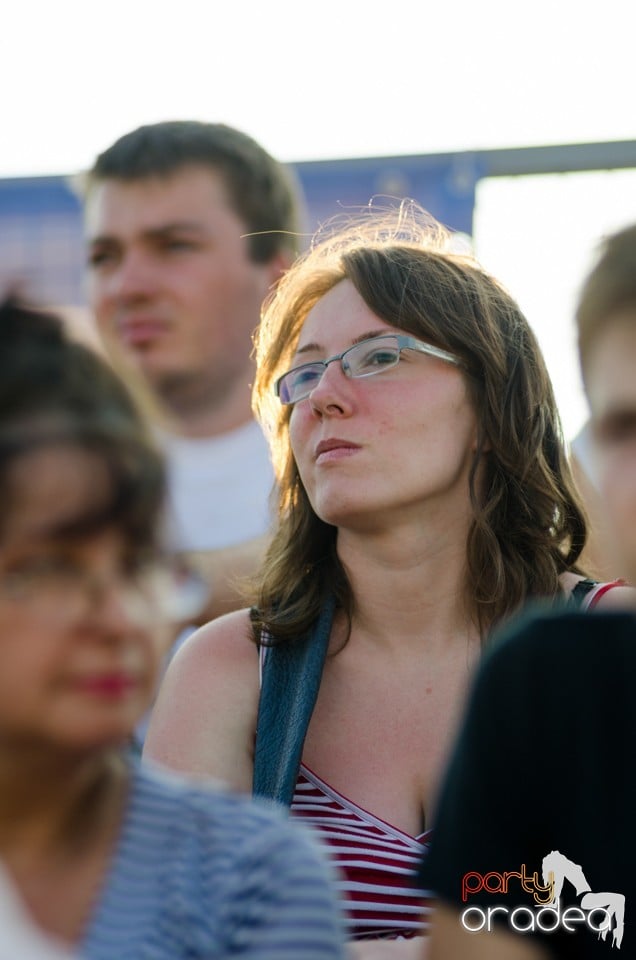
(189,226)
(535,842)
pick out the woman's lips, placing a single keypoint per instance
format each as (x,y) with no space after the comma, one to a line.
(334,449)
(107,684)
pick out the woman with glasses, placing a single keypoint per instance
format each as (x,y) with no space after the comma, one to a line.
(424,495)
(112,861)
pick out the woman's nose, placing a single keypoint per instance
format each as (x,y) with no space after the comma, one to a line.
(331,395)
(118,605)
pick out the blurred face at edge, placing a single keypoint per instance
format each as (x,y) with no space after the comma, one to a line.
(610,377)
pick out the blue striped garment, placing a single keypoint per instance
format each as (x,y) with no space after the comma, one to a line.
(201,873)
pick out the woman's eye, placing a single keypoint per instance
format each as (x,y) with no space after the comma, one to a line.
(138,568)
(379,358)
(304,376)
(46,567)
(39,573)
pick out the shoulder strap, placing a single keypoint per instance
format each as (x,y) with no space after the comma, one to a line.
(593,590)
(289,687)
(581,589)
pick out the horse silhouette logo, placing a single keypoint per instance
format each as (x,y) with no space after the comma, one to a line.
(557,869)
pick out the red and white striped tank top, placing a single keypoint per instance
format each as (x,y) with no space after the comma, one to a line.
(375,860)
(591,599)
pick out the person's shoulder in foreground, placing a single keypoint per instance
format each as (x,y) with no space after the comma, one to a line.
(540,781)
(201,872)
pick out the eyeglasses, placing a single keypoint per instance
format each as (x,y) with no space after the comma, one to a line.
(59,591)
(364,359)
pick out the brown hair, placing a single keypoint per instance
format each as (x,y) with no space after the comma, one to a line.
(528,526)
(55,390)
(264,193)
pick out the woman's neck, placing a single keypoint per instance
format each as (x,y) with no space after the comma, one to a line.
(400,582)
(51,802)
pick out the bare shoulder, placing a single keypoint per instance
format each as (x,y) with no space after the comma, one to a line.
(204,718)
(621,597)
(568,581)
(227,641)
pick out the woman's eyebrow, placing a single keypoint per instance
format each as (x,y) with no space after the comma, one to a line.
(316,347)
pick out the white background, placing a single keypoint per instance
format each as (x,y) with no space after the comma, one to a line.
(345,78)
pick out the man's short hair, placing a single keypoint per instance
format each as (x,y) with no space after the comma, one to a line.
(263,192)
(609,289)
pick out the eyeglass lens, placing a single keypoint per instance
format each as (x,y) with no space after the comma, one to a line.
(361,360)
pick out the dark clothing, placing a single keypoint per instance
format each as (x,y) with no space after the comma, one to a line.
(545,762)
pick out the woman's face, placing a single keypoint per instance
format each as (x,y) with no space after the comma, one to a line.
(382,450)
(79,653)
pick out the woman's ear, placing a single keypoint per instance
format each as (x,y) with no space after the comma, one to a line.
(481,443)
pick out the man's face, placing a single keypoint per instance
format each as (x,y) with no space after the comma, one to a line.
(611,388)
(170,278)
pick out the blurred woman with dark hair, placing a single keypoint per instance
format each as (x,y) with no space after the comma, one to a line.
(111,860)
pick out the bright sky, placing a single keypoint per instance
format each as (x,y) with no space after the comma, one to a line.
(346,78)
(539,235)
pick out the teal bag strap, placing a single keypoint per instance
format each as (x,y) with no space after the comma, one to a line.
(289,687)
(581,590)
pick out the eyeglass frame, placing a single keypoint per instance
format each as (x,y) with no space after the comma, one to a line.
(138,591)
(404,342)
